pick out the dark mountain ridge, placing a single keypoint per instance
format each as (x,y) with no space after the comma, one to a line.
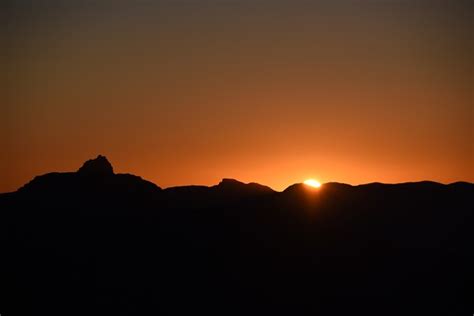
(96,242)
(98,174)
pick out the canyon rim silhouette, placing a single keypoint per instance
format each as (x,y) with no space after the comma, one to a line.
(97,242)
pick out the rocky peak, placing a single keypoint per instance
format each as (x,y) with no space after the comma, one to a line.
(97,166)
(230,182)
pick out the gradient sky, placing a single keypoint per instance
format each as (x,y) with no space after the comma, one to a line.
(275,92)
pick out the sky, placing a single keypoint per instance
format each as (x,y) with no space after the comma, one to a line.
(274,92)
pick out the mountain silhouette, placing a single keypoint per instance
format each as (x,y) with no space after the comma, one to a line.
(99,166)
(94,182)
(97,242)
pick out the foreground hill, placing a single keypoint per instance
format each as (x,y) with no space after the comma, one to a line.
(96,242)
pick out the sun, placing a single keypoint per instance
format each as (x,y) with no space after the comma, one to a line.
(313,183)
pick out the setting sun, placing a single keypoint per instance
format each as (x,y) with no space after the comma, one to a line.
(313,183)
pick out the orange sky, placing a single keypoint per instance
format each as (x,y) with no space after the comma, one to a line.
(267,91)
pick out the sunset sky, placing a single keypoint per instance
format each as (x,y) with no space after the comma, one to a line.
(275,92)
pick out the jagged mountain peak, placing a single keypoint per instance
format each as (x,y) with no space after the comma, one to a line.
(97,166)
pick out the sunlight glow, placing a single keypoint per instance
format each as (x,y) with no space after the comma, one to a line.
(313,183)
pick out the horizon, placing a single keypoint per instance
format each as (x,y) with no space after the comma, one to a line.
(277,190)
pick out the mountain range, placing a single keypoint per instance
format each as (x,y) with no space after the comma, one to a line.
(97,242)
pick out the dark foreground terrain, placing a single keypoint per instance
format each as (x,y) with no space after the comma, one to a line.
(97,243)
